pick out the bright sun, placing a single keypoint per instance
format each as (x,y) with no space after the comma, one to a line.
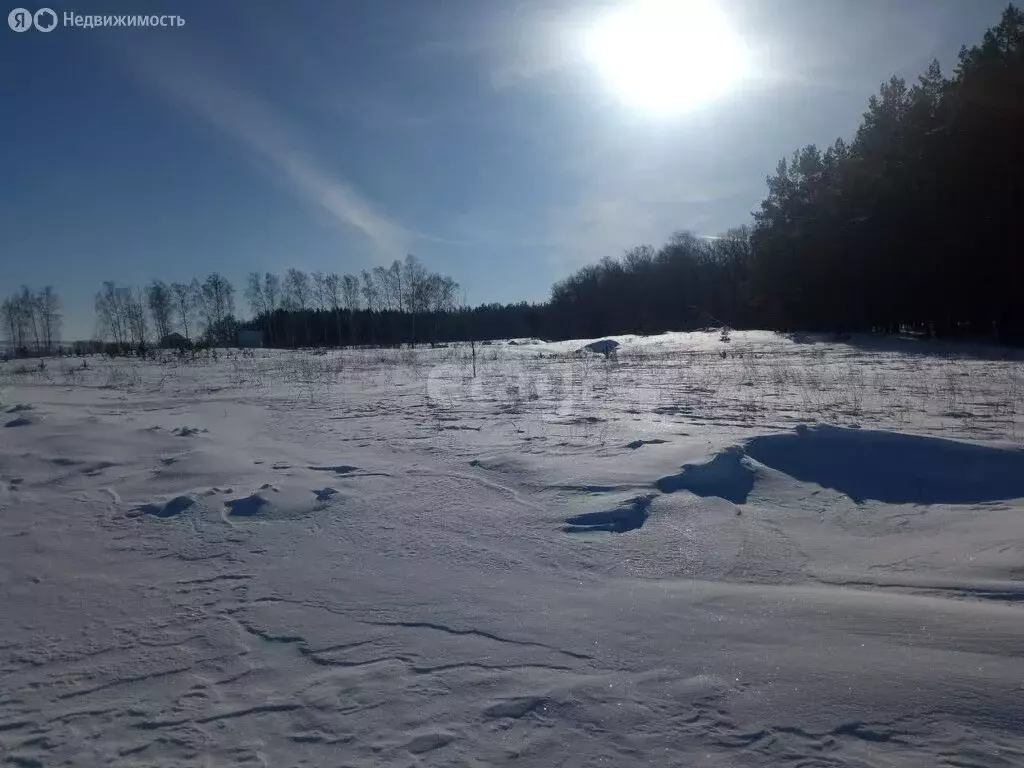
(664,57)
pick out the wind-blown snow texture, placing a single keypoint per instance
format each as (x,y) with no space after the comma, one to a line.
(752,553)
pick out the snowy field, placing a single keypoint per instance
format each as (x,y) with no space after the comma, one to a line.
(771,551)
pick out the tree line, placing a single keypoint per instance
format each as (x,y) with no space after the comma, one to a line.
(32,320)
(690,282)
(913,222)
(402,303)
(133,317)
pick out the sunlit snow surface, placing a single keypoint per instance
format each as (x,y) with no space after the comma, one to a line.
(761,552)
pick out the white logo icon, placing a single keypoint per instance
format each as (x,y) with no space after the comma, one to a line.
(45,20)
(20,20)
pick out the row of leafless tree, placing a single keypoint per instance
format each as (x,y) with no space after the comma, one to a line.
(404,287)
(32,319)
(123,313)
(206,310)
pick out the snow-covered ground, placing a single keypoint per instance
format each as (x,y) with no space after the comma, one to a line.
(767,551)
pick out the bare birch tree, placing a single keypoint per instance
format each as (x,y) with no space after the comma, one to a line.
(185,299)
(160,301)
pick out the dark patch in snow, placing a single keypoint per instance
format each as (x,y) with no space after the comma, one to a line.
(619,520)
(341,469)
(673,410)
(248,712)
(217,577)
(577,420)
(997,591)
(725,476)
(316,737)
(591,489)
(892,467)
(21,421)
(246,507)
(478,633)
(325,494)
(603,347)
(172,508)
(20,408)
(862,731)
(188,431)
(641,443)
(515,708)
(428,742)
(98,468)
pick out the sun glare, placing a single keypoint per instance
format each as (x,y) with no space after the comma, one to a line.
(665,57)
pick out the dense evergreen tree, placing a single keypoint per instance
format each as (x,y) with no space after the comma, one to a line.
(915,221)
(690,282)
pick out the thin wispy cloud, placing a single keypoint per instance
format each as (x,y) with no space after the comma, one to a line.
(542,40)
(597,225)
(641,187)
(253,124)
(527,65)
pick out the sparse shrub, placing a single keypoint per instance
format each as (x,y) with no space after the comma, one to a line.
(122,377)
(72,375)
(556,385)
(531,389)
(514,398)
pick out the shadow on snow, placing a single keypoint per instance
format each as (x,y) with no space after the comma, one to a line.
(629,517)
(865,465)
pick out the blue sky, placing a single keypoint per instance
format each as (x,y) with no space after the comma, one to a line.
(337,135)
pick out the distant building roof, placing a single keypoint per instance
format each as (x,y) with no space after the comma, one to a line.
(250,338)
(173,340)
